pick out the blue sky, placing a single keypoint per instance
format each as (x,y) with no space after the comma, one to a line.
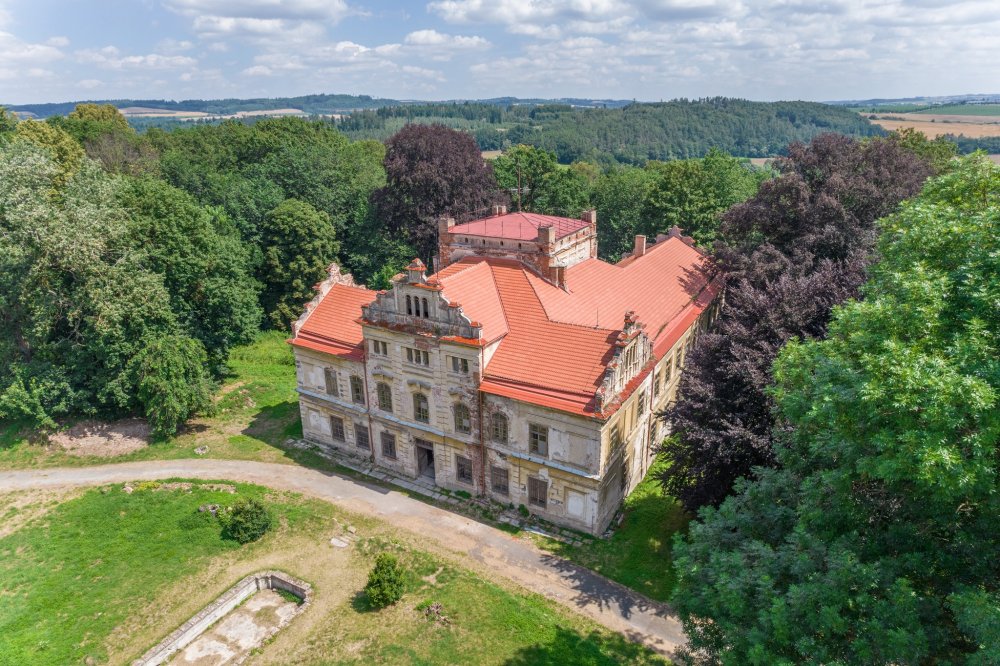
(630,49)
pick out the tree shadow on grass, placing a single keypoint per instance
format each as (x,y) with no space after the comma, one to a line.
(361,604)
(572,648)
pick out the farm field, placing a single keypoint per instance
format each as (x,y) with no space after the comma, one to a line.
(934,126)
(103,574)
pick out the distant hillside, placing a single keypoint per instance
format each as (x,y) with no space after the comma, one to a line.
(605,130)
(633,133)
(309,104)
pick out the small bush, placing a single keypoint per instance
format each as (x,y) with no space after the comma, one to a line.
(385,581)
(464,494)
(523,510)
(247,520)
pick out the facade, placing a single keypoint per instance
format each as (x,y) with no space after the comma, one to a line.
(525,369)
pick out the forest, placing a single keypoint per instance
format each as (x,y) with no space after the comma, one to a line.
(633,134)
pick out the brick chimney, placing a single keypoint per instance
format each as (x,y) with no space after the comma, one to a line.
(546,235)
(499,210)
(640,246)
(445,224)
(590,216)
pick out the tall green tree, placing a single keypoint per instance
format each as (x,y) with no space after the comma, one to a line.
(299,243)
(170,381)
(205,266)
(619,196)
(876,540)
(520,171)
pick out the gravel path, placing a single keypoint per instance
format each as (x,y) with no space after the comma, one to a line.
(604,601)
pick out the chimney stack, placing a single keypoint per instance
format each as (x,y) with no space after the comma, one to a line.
(590,216)
(499,210)
(640,246)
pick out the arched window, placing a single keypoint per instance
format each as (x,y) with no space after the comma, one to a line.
(500,428)
(384,392)
(409,305)
(357,390)
(421,410)
(426,311)
(463,421)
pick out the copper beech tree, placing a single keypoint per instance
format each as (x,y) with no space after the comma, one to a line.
(790,254)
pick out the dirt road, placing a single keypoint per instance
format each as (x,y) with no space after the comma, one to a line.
(604,601)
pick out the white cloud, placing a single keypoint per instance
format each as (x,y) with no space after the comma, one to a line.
(111,58)
(58,42)
(14,50)
(89,84)
(435,38)
(258,70)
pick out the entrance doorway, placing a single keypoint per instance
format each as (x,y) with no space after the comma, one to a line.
(425,458)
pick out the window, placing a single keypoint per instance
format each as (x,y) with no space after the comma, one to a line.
(384,392)
(330,375)
(656,384)
(538,490)
(337,428)
(409,305)
(500,428)
(417,356)
(538,439)
(460,365)
(641,404)
(616,437)
(463,422)
(379,347)
(357,390)
(426,313)
(361,436)
(389,445)
(463,467)
(421,410)
(500,480)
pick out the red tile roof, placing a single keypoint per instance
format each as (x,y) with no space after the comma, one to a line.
(333,326)
(554,344)
(518,226)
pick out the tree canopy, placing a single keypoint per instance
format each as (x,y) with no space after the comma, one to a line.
(875,539)
(433,171)
(790,253)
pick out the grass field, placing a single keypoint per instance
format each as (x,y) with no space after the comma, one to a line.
(257,410)
(101,577)
(964,109)
(638,554)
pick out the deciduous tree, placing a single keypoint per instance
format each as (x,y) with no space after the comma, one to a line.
(875,541)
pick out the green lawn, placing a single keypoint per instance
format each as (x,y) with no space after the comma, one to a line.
(71,578)
(638,555)
(965,109)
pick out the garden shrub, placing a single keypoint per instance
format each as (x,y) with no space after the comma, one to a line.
(247,520)
(385,581)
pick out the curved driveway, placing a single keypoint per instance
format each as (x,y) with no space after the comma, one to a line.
(604,601)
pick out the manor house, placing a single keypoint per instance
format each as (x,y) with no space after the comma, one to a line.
(525,369)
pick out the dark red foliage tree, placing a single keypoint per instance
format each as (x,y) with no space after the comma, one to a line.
(433,171)
(790,254)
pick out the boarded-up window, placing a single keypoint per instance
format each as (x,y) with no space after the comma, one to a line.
(538,491)
(337,428)
(538,439)
(357,390)
(330,376)
(500,480)
(389,445)
(361,436)
(463,468)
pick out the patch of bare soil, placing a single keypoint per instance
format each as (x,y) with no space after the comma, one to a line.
(18,509)
(103,439)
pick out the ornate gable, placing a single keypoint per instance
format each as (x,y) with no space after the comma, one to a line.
(417,305)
